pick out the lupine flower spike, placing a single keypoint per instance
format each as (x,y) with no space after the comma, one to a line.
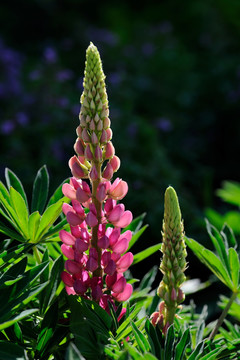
(95,247)
(173,263)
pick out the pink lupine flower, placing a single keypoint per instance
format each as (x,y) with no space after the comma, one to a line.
(94,247)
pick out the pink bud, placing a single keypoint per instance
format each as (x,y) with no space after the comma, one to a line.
(109,134)
(67,251)
(121,246)
(108,172)
(81,245)
(69,191)
(81,195)
(125,220)
(173,295)
(85,136)
(91,219)
(94,139)
(155,318)
(116,214)
(103,242)
(103,138)
(106,123)
(75,183)
(66,237)
(109,150)
(76,168)
(110,268)
(79,130)
(124,262)
(88,153)
(180,296)
(94,174)
(92,125)
(115,163)
(98,153)
(79,287)
(67,279)
(125,295)
(78,208)
(78,147)
(118,189)
(72,267)
(100,125)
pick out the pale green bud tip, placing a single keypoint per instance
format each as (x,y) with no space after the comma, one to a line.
(172,212)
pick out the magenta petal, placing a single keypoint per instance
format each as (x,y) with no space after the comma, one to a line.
(81,245)
(111,279)
(67,279)
(93,253)
(123,312)
(114,236)
(121,246)
(69,191)
(76,231)
(115,257)
(67,251)
(81,195)
(126,234)
(67,208)
(91,264)
(125,219)
(78,208)
(106,257)
(110,268)
(70,290)
(79,287)
(124,262)
(125,295)
(116,213)
(73,219)
(66,237)
(103,242)
(119,285)
(96,292)
(110,203)
(91,219)
(101,192)
(72,267)
(118,190)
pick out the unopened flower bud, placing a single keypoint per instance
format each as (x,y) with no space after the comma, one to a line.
(108,172)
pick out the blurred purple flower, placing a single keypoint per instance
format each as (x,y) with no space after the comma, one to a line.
(7,127)
(22,118)
(50,55)
(75,109)
(132,130)
(63,102)
(148,49)
(115,78)
(80,84)
(164,124)
(165,27)
(64,75)
(57,150)
(34,75)
(102,35)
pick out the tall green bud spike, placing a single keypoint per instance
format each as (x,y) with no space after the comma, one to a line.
(173,262)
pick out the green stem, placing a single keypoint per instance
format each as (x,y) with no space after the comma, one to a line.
(36,254)
(223,315)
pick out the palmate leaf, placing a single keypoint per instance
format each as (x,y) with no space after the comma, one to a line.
(209,259)
(13,181)
(20,209)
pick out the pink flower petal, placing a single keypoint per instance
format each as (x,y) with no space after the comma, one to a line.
(69,191)
(105,258)
(67,279)
(114,236)
(116,214)
(109,205)
(81,245)
(70,290)
(122,313)
(96,292)
(124,262)
(81,195)
(125,295)
(66,237)
(101,192)
(79,287)
(118,189)
(72,267)
(125,219)
(91,264)
(67,251)
(121,246)
(111,279)
(67,208)
(91,219)
(119,285)
(103,242)
(74,219)
(78,208)
(115,163)
(126,234)
(110,268)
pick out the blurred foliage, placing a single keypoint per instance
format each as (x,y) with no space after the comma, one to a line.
(173,86)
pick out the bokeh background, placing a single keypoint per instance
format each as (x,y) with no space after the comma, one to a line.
(173,81)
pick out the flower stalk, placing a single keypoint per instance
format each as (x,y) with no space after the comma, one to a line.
(173,263)
(95,248)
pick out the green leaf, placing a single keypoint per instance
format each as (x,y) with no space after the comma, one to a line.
(136,236)
(148,278)
(11,233)
(209,259)
(181,346)
(16,318)
(49,216)
(57,195)
(153,339)
(230,192)
(48,327)
(168,348)
(13,181)
(73,353)
(9,255)
(40,190)
(146,253)
(234,267)
(197,351)
(20,209)
(11,351)
(33,225)
(140,338)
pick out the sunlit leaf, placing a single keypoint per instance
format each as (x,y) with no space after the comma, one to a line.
(146,253)
(13,181)
(40,190)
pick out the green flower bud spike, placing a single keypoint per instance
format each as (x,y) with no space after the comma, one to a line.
(173,262)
